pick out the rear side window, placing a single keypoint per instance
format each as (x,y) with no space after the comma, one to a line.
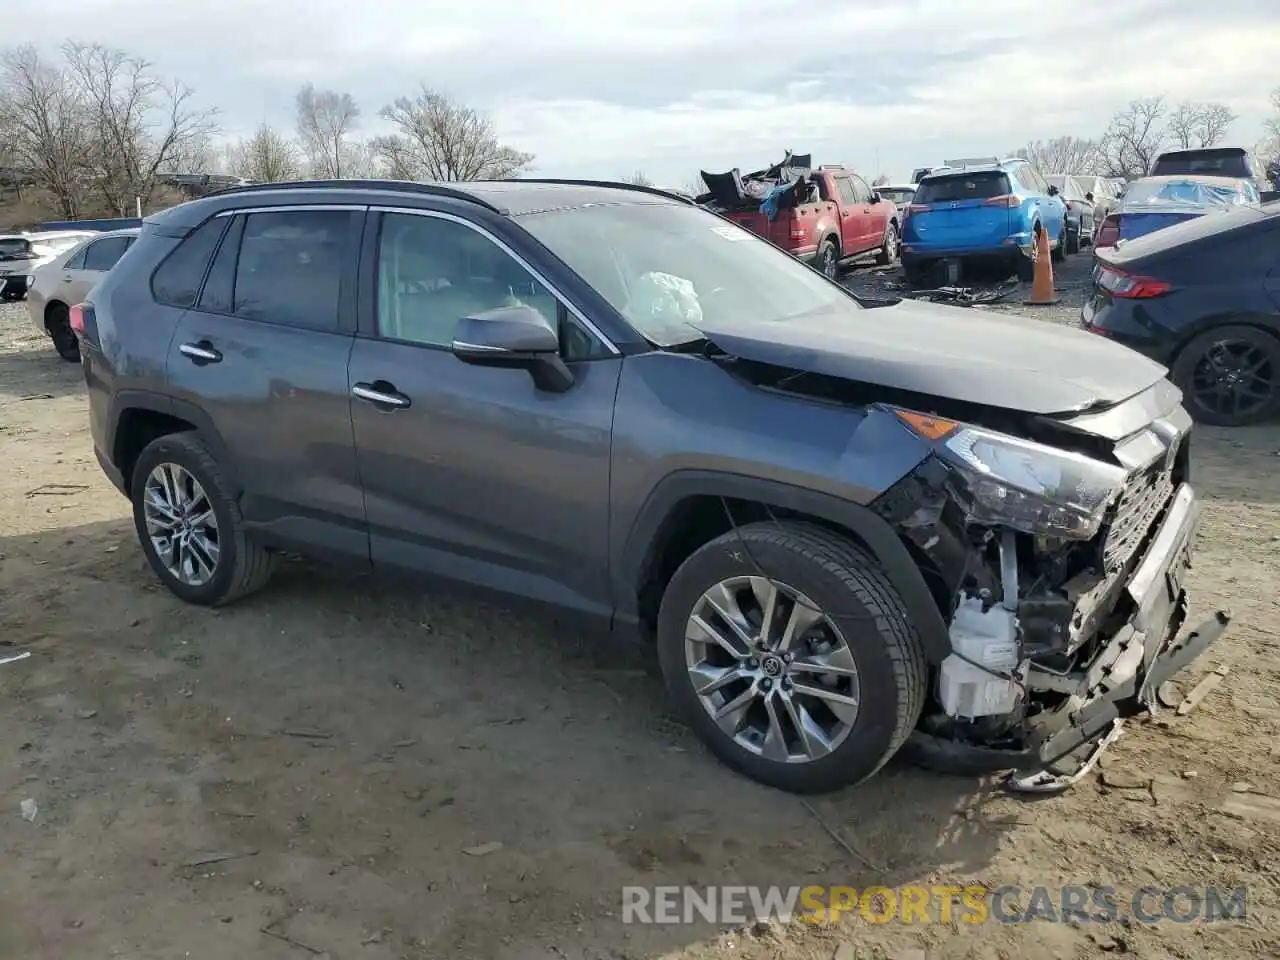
(76,262)
(972,186)
(101,255)
(178,279)
(846,191)
(290,267)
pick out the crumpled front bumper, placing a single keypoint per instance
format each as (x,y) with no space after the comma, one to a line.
(1123,677)
(1150,649)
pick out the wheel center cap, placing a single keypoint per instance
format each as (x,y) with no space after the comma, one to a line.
(772,666)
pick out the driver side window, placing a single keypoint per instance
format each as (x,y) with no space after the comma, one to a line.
(432,272)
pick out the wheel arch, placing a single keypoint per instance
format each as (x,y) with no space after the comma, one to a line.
(1259,321)
(691,507)
(49,306)
(139,417)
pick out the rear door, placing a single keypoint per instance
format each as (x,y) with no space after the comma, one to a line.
(264,352)
(963,211)
(93,263)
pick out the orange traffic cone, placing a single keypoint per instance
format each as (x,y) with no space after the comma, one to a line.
(1042,294)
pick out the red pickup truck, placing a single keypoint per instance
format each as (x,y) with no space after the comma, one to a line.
(831,216)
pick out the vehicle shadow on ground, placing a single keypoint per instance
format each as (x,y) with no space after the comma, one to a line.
(368,737)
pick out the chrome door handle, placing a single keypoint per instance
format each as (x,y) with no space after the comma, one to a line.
(381,395)
(200,353)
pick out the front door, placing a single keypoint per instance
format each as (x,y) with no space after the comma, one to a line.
(852,225)
(875,219)
(264,354)
(473,473)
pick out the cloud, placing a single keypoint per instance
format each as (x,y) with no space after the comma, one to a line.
(671,87)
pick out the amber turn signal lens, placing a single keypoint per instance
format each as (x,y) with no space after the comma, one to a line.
(929,427)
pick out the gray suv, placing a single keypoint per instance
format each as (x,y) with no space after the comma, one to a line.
(846,525)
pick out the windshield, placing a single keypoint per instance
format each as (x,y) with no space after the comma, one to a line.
(666,267)
(896,194)
(965,186)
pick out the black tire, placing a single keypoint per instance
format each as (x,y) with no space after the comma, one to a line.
(1024,267)
(888,254)
(57,320)
(243,566)
(1190,356)
(828,260)
(1059,253)
(853,590)
(1073,242)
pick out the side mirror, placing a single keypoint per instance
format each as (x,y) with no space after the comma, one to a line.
(875,197)
(516,336)
(1053,191)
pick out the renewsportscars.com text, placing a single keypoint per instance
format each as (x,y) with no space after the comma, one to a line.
(969,904)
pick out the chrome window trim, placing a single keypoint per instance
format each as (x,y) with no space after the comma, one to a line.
(440,215)
(292,208)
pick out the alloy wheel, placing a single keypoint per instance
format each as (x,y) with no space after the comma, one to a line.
(181,524)
(771,669)
(1234,378)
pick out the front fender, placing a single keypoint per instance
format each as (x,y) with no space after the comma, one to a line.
(638,553)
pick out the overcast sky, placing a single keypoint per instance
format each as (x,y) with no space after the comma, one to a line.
(603,88)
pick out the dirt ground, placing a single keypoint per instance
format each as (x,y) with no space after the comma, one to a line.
(356,746)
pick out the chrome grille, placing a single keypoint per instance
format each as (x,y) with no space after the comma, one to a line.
(1144,499)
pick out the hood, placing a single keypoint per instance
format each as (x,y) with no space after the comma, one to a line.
(1015,363)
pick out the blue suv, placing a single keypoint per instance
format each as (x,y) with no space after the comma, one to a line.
(987,211)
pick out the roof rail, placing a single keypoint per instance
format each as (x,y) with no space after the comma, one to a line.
(403,186)
(616,184)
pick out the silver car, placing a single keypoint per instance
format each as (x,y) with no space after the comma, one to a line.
(66,280)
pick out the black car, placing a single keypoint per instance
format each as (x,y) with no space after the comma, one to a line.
(1202,298)
(846,527)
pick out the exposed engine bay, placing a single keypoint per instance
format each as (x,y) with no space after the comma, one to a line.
(1055,546)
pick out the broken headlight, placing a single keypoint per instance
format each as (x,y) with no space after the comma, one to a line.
(1022,484)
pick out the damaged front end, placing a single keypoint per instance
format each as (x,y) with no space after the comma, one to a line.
(1063,559)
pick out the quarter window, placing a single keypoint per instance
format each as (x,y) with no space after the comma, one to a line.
(177,280)
(76,262)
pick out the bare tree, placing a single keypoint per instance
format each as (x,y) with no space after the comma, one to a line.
(140,123)
(47,127)
(1268,148)
(266,157)
(325,119)
(1134,138)
(1199,124)
(881,181)
(1062,155)
(439,139)
(639,179)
